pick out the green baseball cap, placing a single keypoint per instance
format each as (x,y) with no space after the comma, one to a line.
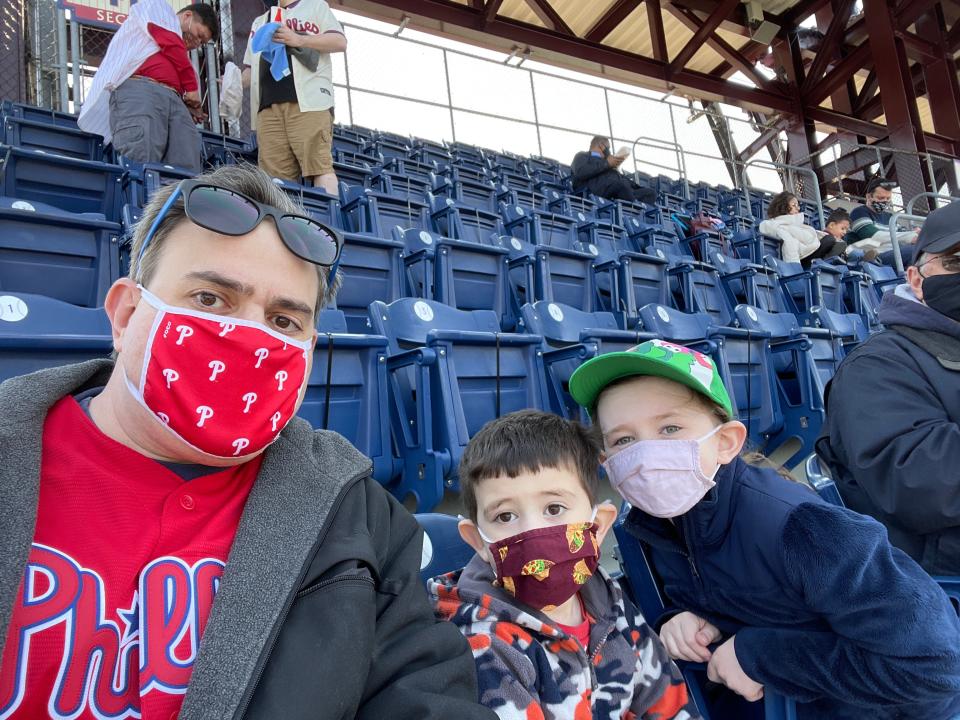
(653,357)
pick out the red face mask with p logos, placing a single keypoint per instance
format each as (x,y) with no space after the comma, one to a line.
(544,568)
(222,385)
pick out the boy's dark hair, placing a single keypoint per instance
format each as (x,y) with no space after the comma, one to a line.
(528,441)
(838,215)
(780,204)
(207,16)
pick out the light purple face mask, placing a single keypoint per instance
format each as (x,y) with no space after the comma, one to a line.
(661,477)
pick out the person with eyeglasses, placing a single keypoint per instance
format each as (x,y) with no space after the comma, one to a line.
(176,542)
(892,430)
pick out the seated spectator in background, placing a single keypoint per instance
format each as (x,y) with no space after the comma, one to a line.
(768,584)
(799,242)
(552,634)
(200,548)
(145,97)
(598,172)
(870,223)
(291,90)
(892,431)
(838,225)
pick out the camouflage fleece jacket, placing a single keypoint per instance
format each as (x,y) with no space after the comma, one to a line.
(529,669)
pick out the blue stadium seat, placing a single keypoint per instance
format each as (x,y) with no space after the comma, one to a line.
(548,261)
(46,251)
(39,332)
(218,149)
(468,193)
(751,284)
(79,186)
(450,372)
(347,391)
(371,261)
(349,173)
(142,180)
(443,549)
(316,201)
(571,337)
(461,222)
(9,108)
(54,139)
(459,273)
(374,213)
(884,277)
(402,187)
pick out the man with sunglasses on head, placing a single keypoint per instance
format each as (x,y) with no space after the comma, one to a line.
(892,433)
(176,542)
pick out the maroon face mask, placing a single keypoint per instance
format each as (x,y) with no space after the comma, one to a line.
(544,568)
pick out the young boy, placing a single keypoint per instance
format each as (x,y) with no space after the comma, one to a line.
(838,225)
(551,632)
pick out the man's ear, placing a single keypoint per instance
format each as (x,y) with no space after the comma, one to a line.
(606,514)
(915,281)
(471,536)
(730,439)
(121,301)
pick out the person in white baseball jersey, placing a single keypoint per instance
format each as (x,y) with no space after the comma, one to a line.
(293,114)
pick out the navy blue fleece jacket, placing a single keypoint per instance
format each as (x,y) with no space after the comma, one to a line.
(824,609)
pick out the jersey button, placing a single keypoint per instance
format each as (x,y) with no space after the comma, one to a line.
(187,502)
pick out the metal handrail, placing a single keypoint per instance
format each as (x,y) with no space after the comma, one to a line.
(660,144)
(815,184)
(934,196)
(894,220)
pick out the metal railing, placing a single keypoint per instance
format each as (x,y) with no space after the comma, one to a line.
(908,215)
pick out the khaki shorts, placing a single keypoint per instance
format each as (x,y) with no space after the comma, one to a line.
(294,143)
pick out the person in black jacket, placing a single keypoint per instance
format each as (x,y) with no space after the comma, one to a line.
(206,554)
(597,171)
(892,431)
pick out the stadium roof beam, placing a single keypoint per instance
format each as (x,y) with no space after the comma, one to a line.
(611,19)
(940,75)
(731,55)
(548,16)
(658,37)
(724,8)
(828,46)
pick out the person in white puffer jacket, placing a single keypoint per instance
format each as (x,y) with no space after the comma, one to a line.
(799,242)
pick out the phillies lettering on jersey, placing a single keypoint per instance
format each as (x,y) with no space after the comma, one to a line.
(125,563)
(109,660)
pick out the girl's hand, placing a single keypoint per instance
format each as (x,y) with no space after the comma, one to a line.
(687,637)
(725,668)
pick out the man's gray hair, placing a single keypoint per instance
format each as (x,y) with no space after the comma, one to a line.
(244,178)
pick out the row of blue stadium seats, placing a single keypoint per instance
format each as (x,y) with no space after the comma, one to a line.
(413,389)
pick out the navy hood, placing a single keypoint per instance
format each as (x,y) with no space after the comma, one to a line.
(900,307)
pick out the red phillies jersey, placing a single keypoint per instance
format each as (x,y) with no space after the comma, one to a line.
(125,563)
(171,65)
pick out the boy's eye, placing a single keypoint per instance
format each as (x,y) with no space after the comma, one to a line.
(621,441)
(504,517)
(670,429)
(554,509)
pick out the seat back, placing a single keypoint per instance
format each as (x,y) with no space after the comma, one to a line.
(41,332)
(51,138)
(443,549)
(347,390)
(78,186)
(372,269)
(66,256)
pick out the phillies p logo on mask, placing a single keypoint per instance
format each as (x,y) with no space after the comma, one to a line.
(225,387)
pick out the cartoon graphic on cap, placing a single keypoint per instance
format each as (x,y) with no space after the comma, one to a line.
(696,363)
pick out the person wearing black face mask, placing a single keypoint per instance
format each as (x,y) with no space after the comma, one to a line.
(892,431)
(870,224)
(597,171)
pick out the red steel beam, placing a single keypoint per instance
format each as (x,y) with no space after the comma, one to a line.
(549,16)
(841,72)
(867,91)
(908,13)
(918,47)
(791,17)
(723,48)
(703,32)
(897,93)
(943,89)
(657,36)
(611,19)
(874,108)
(828,46)
(491,9)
